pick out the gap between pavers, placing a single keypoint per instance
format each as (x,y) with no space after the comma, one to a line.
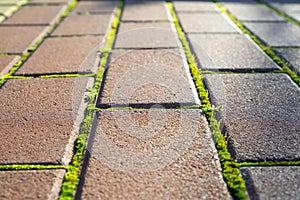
(7,62)
(292,56)
(152,154)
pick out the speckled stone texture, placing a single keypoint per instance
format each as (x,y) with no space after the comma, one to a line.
(144,11)
(141,77)
(146,35)
(209,23)
(40,15)
(96,6)
(292,56)
(153,154)
(37,119)
(51,56)
(229,52)
(252,12)
(194,6)
(30,184)
(18,39)
(287,34)
(83,25)
(261,113)
(49,1)
(272,182)
(6,63)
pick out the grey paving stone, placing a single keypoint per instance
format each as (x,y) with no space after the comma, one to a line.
(261,114)
(295,15)
(205,23)
(146,35)
(150,154)
(40,15)
(144,11)
(6,63)
(272,182)
(286,6)
(229,52)
(30,184)
(51,56)
(49,1)
(286,34)
(252,12)
(146,77)
(18,39)
(83,24)
(38,119)
(96,6)
(194,6)
(292,56)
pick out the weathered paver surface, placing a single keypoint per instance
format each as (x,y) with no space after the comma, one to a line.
(149,137)
(136,155)
(282,182)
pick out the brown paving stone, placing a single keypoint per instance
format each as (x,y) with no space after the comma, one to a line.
(18,39)
(82,25)
(37,119)
(7,62)
(153,154)
(146,35)
(205,23)
(188,6)
(96,6)
(144,11)
(31,184)
(146,77)
(261,113)
(36,15)
(50,1)
(63,55)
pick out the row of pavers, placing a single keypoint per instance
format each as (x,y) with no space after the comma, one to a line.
(260,111)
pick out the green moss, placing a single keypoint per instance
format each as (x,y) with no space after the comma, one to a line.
(231,173)
(267,163)
(29,167)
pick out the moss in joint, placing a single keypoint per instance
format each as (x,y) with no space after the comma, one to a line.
(10,167)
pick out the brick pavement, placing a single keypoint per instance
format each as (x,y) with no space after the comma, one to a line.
(121,75)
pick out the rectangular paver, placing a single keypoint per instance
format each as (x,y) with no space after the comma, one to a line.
(40,15)
(83,25)
(261,114)
(146,77)
(195,6)
(38,119)
(51,56)
(146,35)
(96,6)
(49,1)
(276,34)
(206,23)
(144,11)
(31,184)
(153,154)
(272,182)
(292,56)
(19,39)
(229,52)
(7,62)
(252,12)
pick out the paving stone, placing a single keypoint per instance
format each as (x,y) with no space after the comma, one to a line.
(206,23)
(229,52)
(261,113)
(18,39)
(252,12)
(287,6)
(7,10)
(41,15)
(49,1)
(165,154)
(272,182)
(6,63)
(51,56)
(144,11)
(96,6)
(82,25)
(295,15)
(292,56)
(146,77)
(286,34)
(38,119)
(146,35)
(30,184)
(194,6)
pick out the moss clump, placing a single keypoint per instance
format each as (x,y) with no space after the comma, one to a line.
(29,167)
